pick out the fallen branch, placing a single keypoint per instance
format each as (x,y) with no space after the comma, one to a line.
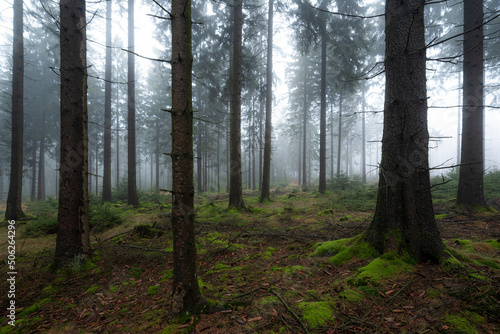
(147,249)
(290,310)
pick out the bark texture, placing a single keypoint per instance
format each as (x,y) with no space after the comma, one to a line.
(73,241)
(235,179)
(106,179)
(132,198)
(14,210)
(266,173)
(322,117)
(470,182)
(404,216)
(185,291)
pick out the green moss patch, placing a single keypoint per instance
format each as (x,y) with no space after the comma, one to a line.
(344,250)
(384,266)
(351,295)
(316,314)
(465,322)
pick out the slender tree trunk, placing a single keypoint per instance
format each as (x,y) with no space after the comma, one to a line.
(331,141)
(264,195)
(470,182)
(33,171)
(235,182)
(1,181)
(132,168)
(198,164)
(13,209)
(186,296)
(322,121)
(41,164)
(404,216)
(363,137)
(73,238)
(157,155)
(459,114)
(304,128)
(339,147)
(106,179)
(117,151)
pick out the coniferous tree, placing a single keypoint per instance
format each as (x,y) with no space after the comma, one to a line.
(106,179)
(132,198)
(404,216)
(264,194)
(14,209)
(186,295)
(470,182)
(73,241)
(235,179)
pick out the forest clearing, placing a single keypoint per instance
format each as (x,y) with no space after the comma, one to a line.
(260,266)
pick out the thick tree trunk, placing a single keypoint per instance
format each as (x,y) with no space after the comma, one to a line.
(404,216)
(470,182)
(235,179)
(13,209)
(322,118)
(265,187)
(132,198)
(106,179)
(73,241)
(186,296)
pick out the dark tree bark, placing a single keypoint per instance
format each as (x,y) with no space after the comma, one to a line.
(235,179)
(106,179)
(186,296)
(73,241)
(13,209)
(132,198)
(404,216)
(470,182)
(322,117)
(266,172)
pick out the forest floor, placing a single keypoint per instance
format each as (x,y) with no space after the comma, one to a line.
(259,263)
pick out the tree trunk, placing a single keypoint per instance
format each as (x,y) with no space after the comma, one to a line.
(235,180)
(157,155)
(73,241)
(106,179)
(339,147)
(33,171)
(186,296)
(304,128)
(13,209)
(322,121)
(132,198)
(404,216)
(470,182)
(363,138)
(117,151)
(265,187)
(41,163)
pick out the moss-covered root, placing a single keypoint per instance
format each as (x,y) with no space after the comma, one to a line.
(343,250)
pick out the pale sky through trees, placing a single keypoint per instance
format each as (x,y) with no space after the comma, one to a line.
(443,97)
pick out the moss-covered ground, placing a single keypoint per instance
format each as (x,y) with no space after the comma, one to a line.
(287,266)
